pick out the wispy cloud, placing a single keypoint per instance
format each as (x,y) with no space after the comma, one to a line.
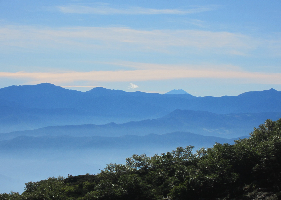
(155,66)
(96,77)
(107,10)
(190,21)
(92,38)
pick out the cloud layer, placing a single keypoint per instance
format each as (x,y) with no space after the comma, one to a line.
(122,38)
(144,75)
(107,10)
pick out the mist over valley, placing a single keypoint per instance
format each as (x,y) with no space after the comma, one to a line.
(47,130)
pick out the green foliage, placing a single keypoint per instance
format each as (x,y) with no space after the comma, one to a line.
(52,188)
(11,196)
(249,169)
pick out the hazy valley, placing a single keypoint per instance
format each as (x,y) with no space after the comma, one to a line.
(47,130)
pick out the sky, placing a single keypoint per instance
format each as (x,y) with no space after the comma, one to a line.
(205,47)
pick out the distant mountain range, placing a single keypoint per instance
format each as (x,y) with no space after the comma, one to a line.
(169,140)
(30,107)
(200,122)
(46,112)
(48,130)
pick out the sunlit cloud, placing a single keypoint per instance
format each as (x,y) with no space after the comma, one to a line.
(144,75)
(107,10)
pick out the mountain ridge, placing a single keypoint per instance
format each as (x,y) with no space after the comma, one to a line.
(42,105)
(199,122)
(124,142)
(177,91)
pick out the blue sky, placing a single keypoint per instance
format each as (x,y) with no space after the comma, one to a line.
(207,48)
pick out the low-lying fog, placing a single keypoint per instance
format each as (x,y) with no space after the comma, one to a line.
(20,167)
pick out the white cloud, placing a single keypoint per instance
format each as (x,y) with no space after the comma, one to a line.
(122,38)
(107,10)
(133,86)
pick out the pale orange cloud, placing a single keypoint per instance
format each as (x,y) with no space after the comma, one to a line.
(144,75)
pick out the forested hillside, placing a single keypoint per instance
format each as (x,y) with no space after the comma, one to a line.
(249,169)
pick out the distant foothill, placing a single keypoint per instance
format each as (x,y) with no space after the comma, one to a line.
(177,91)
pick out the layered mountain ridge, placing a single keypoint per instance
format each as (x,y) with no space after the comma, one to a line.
(36,106)
(49,130)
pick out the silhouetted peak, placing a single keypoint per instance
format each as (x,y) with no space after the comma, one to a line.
(177,91)
(33,88)
(104,91)
(46,87)
(260,93)
(272,90)
(97,89)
